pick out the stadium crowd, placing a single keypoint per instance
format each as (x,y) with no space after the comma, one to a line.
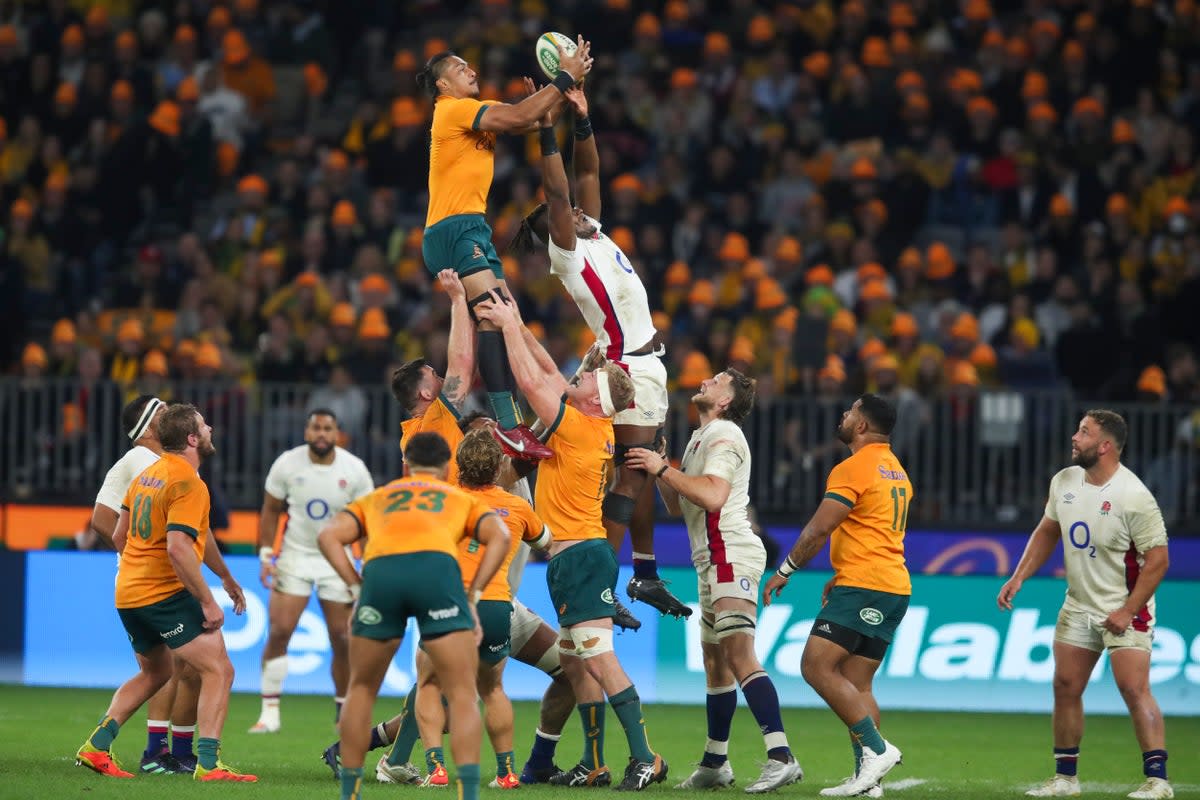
(924,196)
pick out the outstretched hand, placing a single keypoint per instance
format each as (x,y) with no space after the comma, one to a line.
(576,64)
(498,312)
(577,100)
(452,284)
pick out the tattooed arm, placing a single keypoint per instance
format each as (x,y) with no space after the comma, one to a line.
(460,370)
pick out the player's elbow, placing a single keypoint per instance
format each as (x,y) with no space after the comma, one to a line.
(716,496)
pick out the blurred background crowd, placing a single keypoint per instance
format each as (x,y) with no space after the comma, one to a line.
(923,198)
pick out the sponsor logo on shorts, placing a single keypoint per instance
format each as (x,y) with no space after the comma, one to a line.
(443,613)
(824,628)
(871,616)
(178,629)
(606,597)
(369,615)
(745,584)
(496,648)
(476,252)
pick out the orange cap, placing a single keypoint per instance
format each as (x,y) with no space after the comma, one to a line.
(1017,48)
(844,321)
(901,15)
(1123,132)
(871,348)
(65,94)
(788,249)
(760,30)
(154,363)
(742,350)
(1153,380)
(874,290)
(235,47)
(405,113)
(875,53)
(1042,111)
(405,60)
(992,39)
(983,356)
(684,78)
(315,79)
(208,355)
(1035,85)
(978,11)
(902,43)
(1088,106)
(963,374)
(678,275)
(626,182)
(185,33)
(21,208)
(165,118)
(56,181)
(939,263)
(188,91)
(344,214)
(820,275)
(1072,51)
(1118,204)
(72,36)
(131,329)
(696,369)
(374,282)
(97,17)
(717,43)
(818,64)
(308,278)
(676,11)
(863,170)
(904,324)
(647,25)
(661,319)
(753,269)
(909,80)
(270,259)
(786,319)
(1085,22)
(769,294)
(185,349)
(34,355)
(1060,206)
(885,362)
(1176,205)
(910,258)
(8,36)
(703,293)
(981,105)
(734,247)
(966,326)
(622,237)
(872,270)
(337,160)
(374,325)
(1046,27)
(434,46)
(342,315)
(63,332)
(126,40)
(252,183)
(876,208)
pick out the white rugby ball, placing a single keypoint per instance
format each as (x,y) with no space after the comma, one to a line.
(547,55)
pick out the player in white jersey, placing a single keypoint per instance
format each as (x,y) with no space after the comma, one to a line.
(609,293)
(1115,551)
(312,482)
(712,491)
(174,704)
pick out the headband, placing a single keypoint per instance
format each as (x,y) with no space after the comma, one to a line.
(143,422)
(606,402)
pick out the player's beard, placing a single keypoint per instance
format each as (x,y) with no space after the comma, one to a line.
(206,449)
(703,404)
(845,433)
(320,449)
(1087,458)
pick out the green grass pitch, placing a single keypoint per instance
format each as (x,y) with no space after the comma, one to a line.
(947,755)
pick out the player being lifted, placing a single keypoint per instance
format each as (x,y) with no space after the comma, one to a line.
(163,599)
(610,295)
(311,482)
(412,528)
(712,491)
(583,568)
(461,165)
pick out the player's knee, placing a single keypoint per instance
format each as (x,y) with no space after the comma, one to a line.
(485,297)
(617,508)
(550,662)
(1070,686)
(585,643)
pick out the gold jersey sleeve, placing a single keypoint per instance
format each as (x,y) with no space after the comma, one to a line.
(461,159)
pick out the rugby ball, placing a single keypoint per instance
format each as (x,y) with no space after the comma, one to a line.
(547,55)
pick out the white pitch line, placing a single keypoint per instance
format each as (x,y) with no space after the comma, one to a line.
(902,784)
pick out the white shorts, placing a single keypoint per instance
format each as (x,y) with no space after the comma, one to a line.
(525,624)
(649,392)
(742,584)
(297,574)
(1081,629)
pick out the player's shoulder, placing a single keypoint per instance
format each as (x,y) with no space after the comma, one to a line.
(291,457)
(1130,485)
(348,459)
(1067,476)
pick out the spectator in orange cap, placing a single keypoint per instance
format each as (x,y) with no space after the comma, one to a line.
(399,160)
(128,67)
(694,370)
(1152,385)
(1022,365)
(126,362)
(247,74)
(71,60)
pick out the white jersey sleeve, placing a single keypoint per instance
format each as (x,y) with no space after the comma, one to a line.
(726,536)
(314,493)
(516,567)
(121,474)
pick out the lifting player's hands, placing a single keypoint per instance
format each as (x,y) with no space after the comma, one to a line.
(773,587)
(1007,592)
(593,359)
(576,64)
(452,285)
(647,461)
(234,590)
(497,311)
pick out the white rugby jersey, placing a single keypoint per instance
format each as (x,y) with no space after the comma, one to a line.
(723,537)
(1105,531)
(608,291)
(121,474)
(315,492)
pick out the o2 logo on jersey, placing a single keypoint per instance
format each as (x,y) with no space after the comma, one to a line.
(621,262)
(316,509)
(1086,543)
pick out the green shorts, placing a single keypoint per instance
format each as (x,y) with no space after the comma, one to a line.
(495,617)
(868,613)
(173,622)
(463,243)
(582,580)
(426,586)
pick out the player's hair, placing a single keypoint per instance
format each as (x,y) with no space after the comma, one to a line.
(427,449)
(322,412)
(133,411)
(535,226)
(467,420)
(620,386)
(880,413)
(177,423)
(744,389)
(428,77)
(478,459)
(405,381)
(1111,423)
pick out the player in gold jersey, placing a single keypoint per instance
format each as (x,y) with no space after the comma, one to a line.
(864,515)
(582,573)
(412,528)
(163,599)
(457,236)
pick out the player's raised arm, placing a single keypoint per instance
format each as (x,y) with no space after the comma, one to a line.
(543,390)
(586,158)
(560,219)
(1041,544)
(460,366)
(504,118)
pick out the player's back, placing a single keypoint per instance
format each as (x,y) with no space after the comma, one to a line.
(461,159)
(523,525)
(440,418)
(167,496)
(416,515)
(610,294)
(571,483)
(867,549)
(121,474)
